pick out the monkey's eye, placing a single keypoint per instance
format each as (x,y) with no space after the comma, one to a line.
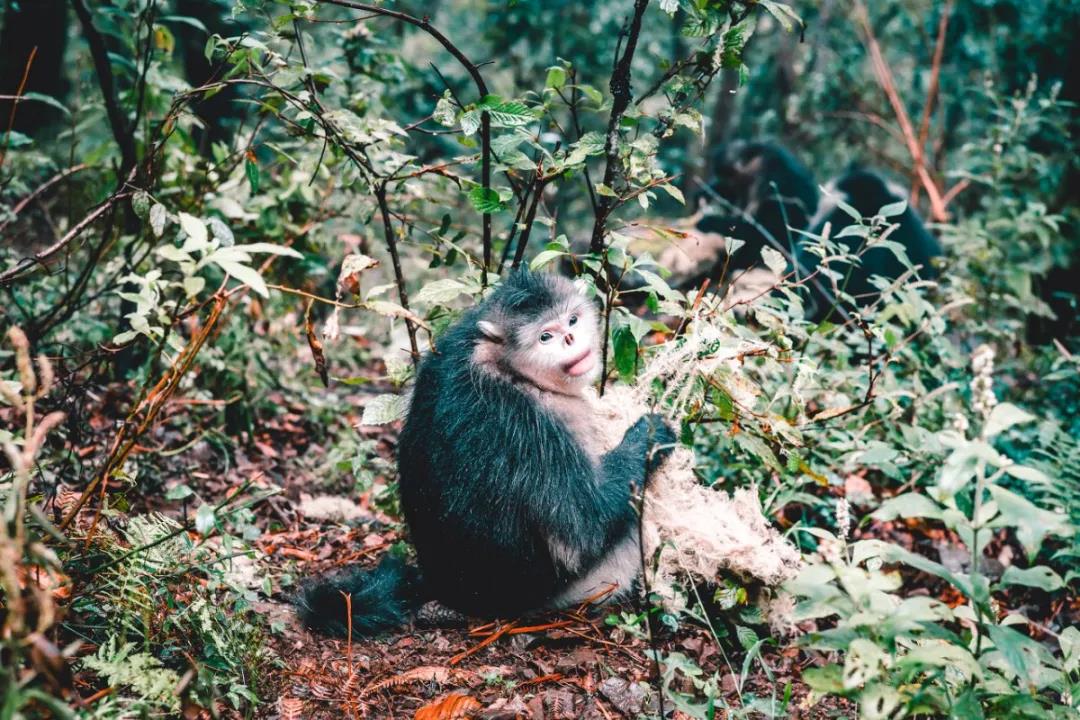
(573,320)
(545,337)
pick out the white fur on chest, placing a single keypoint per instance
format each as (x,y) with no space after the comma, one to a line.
(578,414)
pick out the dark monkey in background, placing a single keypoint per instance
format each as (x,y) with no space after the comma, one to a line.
(510,502)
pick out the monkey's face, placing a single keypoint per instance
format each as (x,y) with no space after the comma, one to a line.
(557,350)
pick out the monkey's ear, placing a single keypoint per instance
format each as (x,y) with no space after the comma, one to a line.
(491,331)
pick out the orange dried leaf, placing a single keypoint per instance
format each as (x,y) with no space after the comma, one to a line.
(451,707)
(438,674)
(290,708)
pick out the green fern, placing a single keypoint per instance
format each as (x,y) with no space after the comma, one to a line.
(152,686)
(1059,460)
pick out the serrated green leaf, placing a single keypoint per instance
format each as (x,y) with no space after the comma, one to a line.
(383,409)
(486,200)
(747,637)
(441,291)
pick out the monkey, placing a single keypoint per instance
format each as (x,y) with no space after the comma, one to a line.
(760,194)
(868,192)
(765,181)
(509,500)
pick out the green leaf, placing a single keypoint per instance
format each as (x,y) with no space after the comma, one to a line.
(893,209)
(862,663)
(245,274)
(140,203)
(193,285)
(544,257)
(205,519)
(1069,641)
(441,292)
(556,77)
(158,217)
(195,229)
(747,637)
(1028,474)
(942,654)
(774,260)
(173,253)
(268,248)
(383,409)
(251,170)
(1030,522)
(1004,416)
(1016,649)
(221,232)
(756,446)
(470,122)
(673,192)
(48,100)
(879,701)
(908,505)
(486,200)
(967,707)
(179,492)
(783,14)
(445,111)
(827,680)
(1039,576)
(624,350)
(592,93)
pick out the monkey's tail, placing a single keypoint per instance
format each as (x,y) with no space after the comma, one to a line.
(382,598)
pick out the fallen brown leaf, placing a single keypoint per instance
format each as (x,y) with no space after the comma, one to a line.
(450,707)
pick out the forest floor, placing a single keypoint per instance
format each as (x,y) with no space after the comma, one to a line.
(561,667)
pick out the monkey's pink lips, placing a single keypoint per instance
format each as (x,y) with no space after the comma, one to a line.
(580,365)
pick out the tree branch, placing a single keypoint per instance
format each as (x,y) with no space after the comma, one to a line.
(395,260)
(121,134)
(26,263)
(888,85)
(621,95)
(932,91)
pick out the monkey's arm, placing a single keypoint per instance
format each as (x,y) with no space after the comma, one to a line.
(591,510)
(642,450)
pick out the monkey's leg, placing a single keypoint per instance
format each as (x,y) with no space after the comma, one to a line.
(618,569)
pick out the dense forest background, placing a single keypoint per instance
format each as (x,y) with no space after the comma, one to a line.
(229,227)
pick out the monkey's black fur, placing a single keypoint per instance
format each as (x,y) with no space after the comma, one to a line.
(759,193)
(769,183)
(867,192)
(490,481)
(383,597)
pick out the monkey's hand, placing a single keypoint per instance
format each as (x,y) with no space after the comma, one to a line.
(660,441)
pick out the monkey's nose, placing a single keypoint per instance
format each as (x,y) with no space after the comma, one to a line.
(568,339)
